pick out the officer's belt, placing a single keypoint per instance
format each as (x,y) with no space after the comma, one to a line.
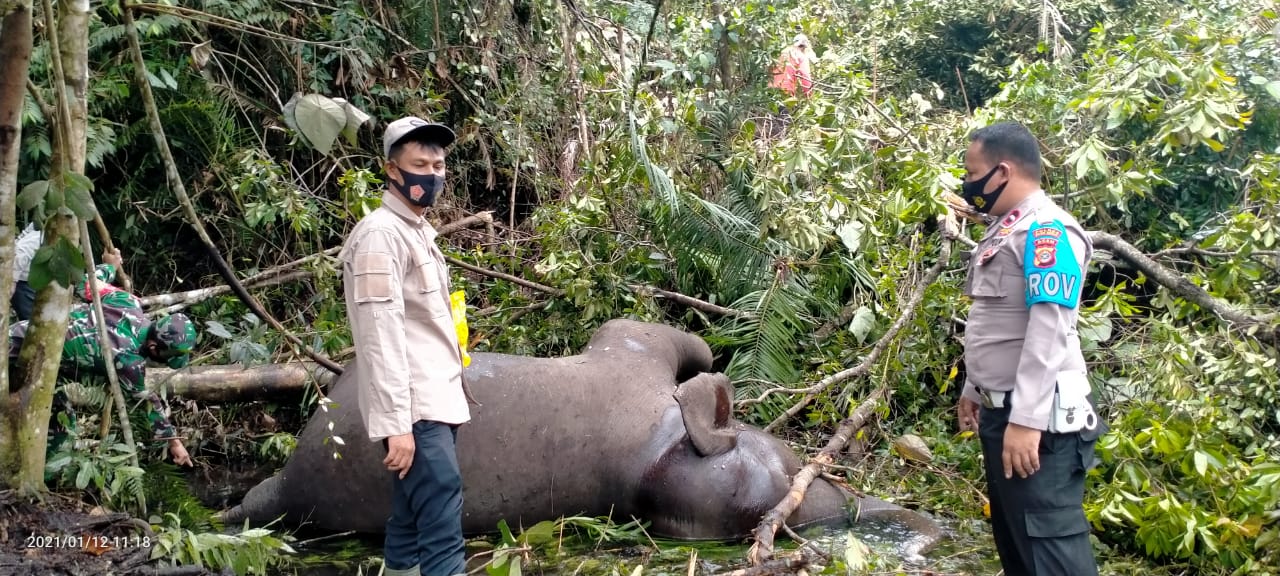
(994,399)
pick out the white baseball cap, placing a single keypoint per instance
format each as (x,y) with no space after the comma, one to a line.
(413,125)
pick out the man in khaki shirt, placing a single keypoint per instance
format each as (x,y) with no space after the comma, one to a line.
(408,361)
(1023,361)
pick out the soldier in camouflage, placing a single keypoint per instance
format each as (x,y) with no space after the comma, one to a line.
(134,339)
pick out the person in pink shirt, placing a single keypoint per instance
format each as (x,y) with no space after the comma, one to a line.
(793,67)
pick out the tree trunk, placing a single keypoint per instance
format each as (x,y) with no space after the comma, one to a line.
(15,60)
(235,383)
(42,348)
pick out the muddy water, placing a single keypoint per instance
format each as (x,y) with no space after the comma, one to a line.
(968,549)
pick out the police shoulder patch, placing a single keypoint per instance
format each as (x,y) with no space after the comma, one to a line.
(1052,273)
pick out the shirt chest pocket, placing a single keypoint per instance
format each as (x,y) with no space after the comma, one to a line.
(424,294)
(992,279)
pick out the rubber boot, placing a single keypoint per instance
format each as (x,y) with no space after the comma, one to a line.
(411,571)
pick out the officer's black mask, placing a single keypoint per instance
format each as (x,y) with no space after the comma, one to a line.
(971,191)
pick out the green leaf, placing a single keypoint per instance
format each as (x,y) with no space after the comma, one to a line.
(55,198)
(1099,331)
(320,120)
(78,196)
(1202,462)
(505,530)
(32,195)
(217,329)
(851,235)
(62,263)
(863,321)
(1273,87)
(539,533)
(84,476)
(355,119)
(855,555)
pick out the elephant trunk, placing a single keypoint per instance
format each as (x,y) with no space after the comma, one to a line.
(260,505)
(824,504)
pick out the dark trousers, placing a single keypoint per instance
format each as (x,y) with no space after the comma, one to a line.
(1038,522)
(425,527)
(23,300)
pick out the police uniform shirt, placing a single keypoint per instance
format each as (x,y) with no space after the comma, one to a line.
(1025,278)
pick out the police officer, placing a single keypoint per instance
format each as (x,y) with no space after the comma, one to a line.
(1026,392)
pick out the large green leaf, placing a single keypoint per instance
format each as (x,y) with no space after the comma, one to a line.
(355,119)
(863,321)
(33,195)
(318,118)
(79,196)
(62,263)
(1273,88)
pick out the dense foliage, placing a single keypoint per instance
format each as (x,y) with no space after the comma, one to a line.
(625,145)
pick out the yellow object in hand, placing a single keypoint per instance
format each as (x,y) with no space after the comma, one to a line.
(458,301)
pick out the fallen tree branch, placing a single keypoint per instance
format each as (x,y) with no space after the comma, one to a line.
(762,550)
(790,565)
(504,276)
(180,190)
(689,301)
(277,275)
(1197,251)
(235,383)
(1175,282)
(179,301)
(908,311)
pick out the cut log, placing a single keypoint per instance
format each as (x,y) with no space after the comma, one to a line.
(235,383)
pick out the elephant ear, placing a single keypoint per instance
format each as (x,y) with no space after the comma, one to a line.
(706,403)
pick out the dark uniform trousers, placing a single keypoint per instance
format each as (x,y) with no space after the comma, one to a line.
(1038,522)
(425,527)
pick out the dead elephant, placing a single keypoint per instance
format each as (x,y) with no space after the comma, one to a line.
(634,427)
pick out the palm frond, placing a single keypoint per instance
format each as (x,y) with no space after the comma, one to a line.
(768,339)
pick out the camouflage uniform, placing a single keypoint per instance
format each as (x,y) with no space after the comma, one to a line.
(81,355)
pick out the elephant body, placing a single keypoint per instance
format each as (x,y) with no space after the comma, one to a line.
(634,426)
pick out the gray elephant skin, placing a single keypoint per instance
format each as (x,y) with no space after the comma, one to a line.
(634,426)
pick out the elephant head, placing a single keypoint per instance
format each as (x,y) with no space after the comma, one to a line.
(713,475)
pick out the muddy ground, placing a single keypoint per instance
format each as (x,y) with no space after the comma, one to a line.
(62,536)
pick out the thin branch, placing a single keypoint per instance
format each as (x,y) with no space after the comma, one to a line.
(373,21)
(106,348)
(45,109)
(908,311)
(1183,250)
(507,277)
(180,190)
(689,301)
(230,24)
(1175,282)
(179,301)
(790,565)
(279,274)
(762,550)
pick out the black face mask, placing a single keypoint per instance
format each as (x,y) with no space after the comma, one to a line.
(971,191)
(419,189)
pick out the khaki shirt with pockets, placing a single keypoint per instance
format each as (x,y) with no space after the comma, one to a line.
(1008,344)
(396,286)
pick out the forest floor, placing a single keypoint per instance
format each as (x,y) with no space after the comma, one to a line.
(61,536)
